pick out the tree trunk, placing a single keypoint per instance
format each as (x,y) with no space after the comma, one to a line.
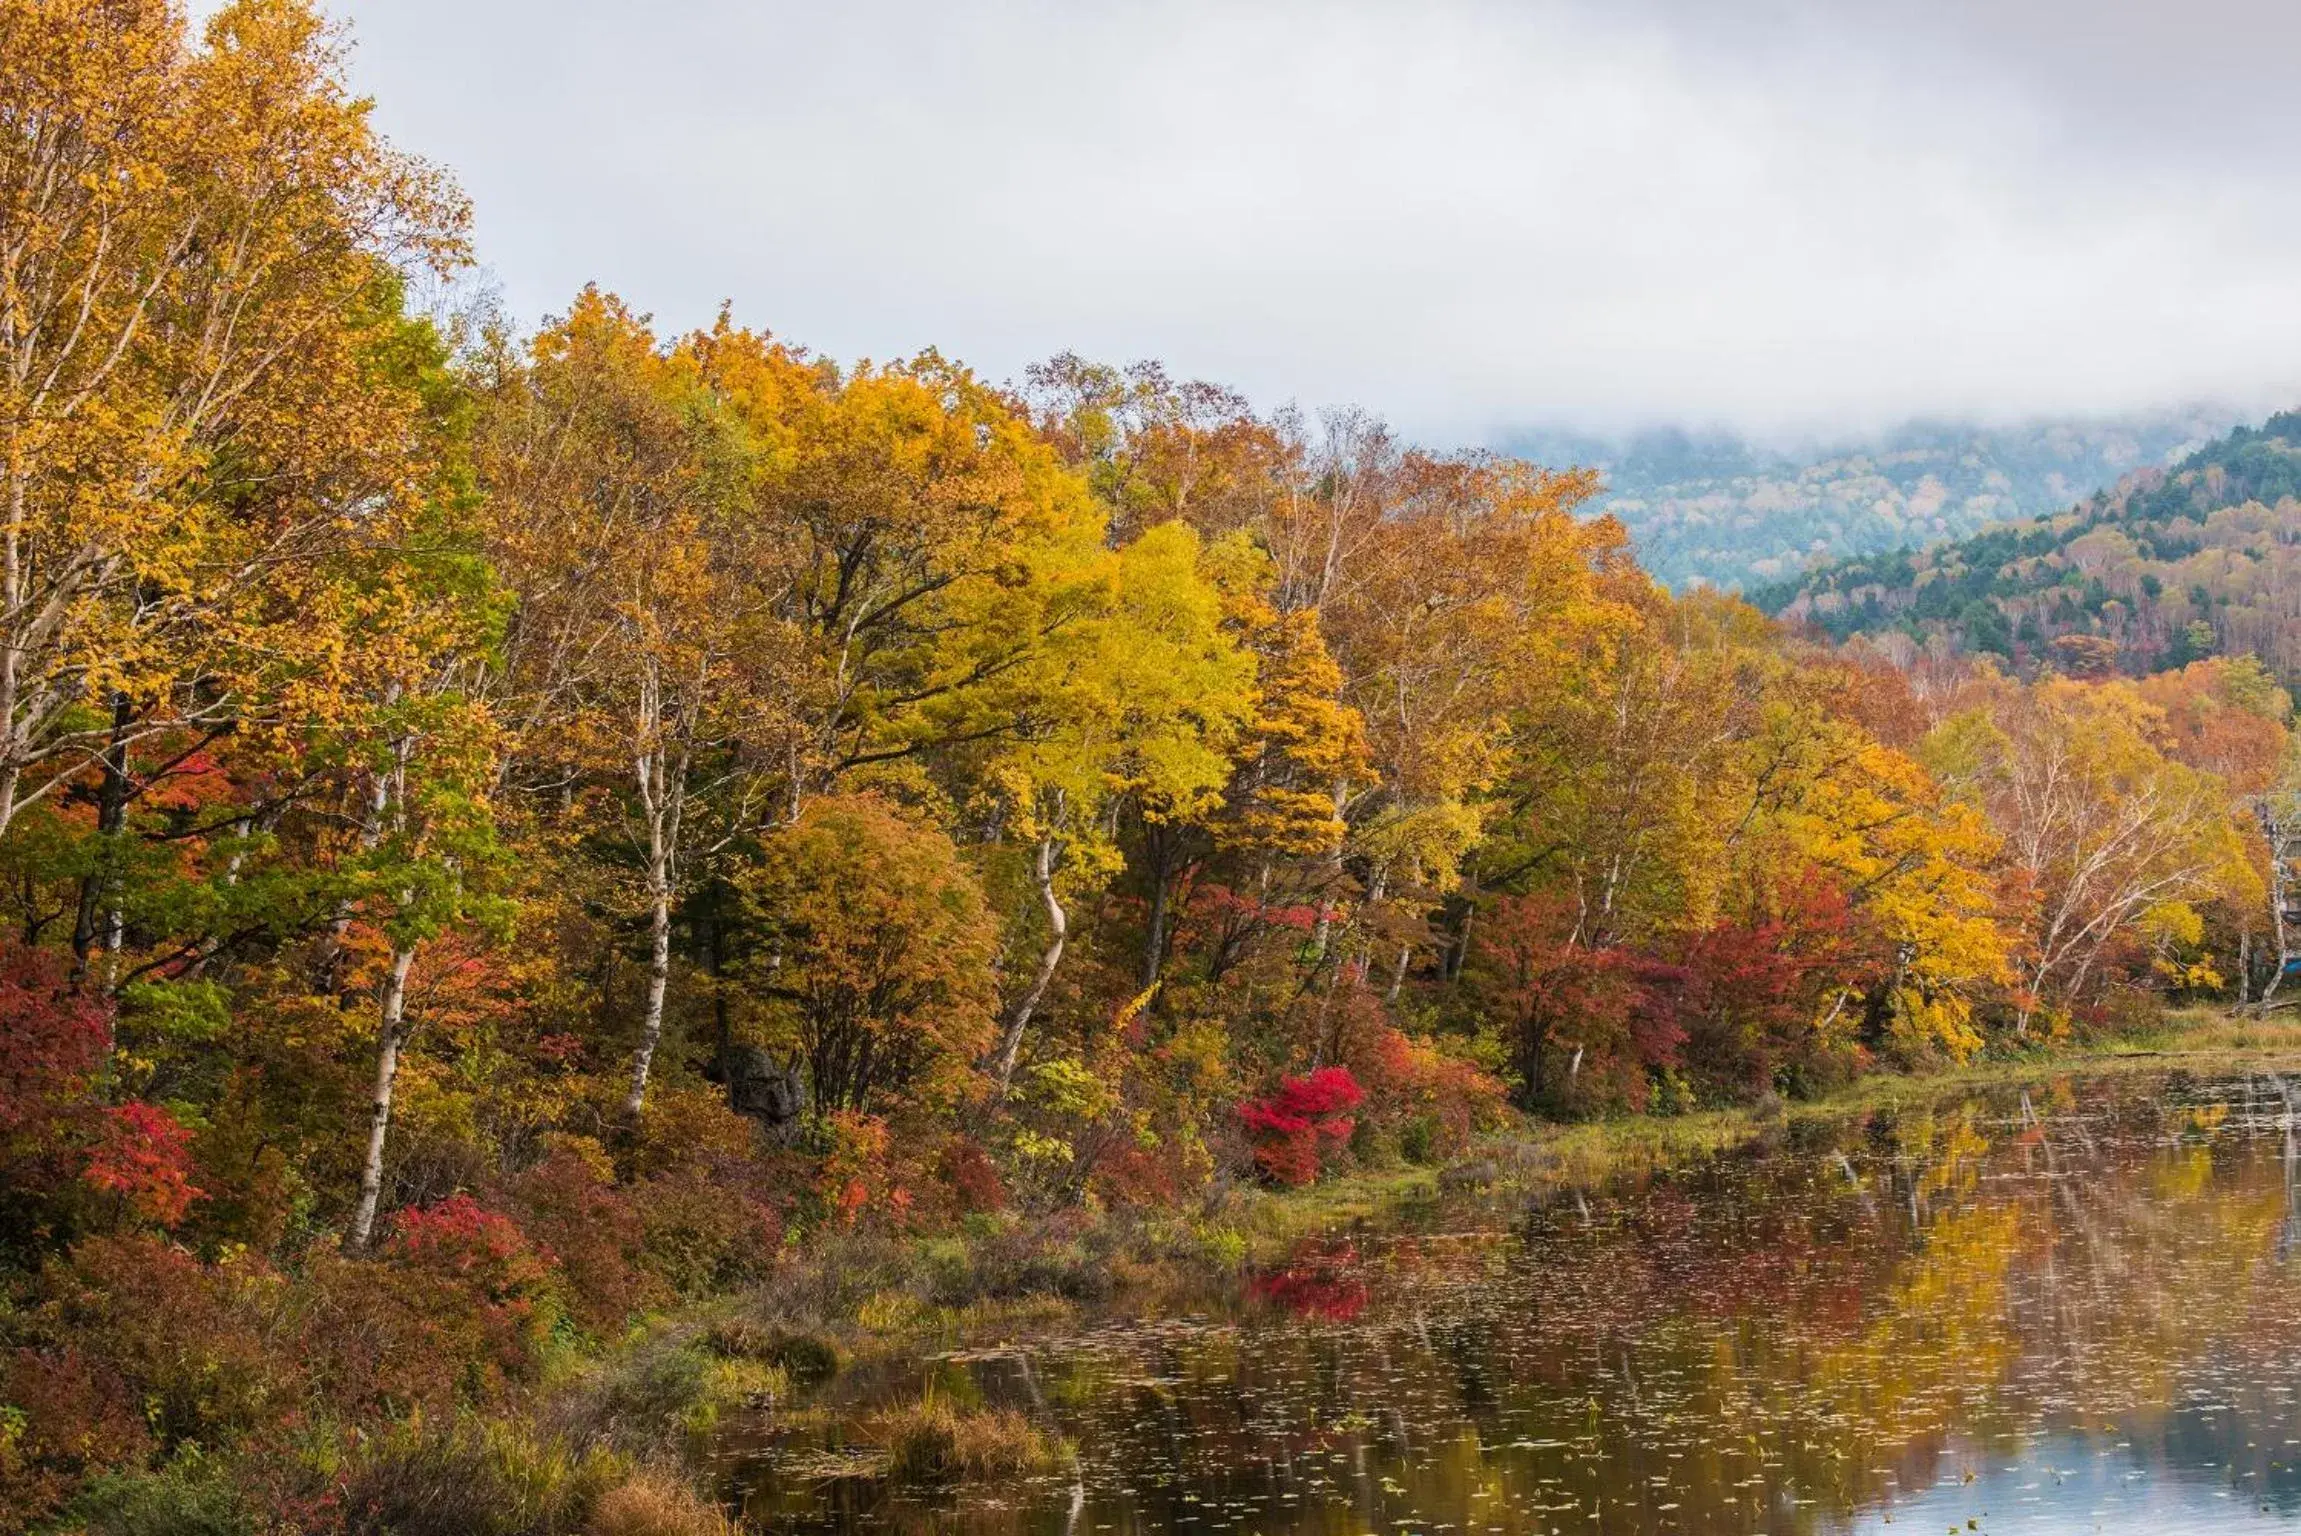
(379,799)
(662,780)
(1058,931)
(1533,1057)
(1154,943)
(99,921)
(1459,954)
(658,980)
(2274,828)
(387,1077)
(1323,933)
(12,604)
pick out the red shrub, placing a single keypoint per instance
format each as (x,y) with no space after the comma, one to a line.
(378,1340)
(1293,1129)
(51,1039)
(1746,994)
(143,1156)
(190,1338)
(973,1178)
(457,1306)
(1431,1102)
(51,1045)
(454,1310)
(706,1230)
(569,1204)
(482,1250)
(1581,1023)
(79,1418)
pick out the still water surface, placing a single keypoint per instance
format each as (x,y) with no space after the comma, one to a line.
(2071,1308)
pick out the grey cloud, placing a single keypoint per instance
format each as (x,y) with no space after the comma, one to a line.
(1781,215)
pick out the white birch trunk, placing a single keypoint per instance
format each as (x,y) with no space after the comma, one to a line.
(394,1016)
(662,776)
(1058,933)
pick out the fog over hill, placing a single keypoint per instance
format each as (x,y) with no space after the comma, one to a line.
(1738,512)
(2162,570)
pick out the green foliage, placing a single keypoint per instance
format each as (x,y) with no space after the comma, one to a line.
(193,1495)
(2169,568)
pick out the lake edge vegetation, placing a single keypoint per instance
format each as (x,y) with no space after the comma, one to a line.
(504,837)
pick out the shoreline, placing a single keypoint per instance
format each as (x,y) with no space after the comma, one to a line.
(871,1309)
(1584,1155)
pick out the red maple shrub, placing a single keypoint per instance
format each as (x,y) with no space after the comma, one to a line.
(570,1205)
(1746,993)
(52,1043)
(1294,1130)
(79,1417)
(1429,1104)
(971,1176)
(143,1158)
(456,1307)
(1579,1020)
(190,1338)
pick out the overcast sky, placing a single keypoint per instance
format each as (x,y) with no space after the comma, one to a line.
(1781,214)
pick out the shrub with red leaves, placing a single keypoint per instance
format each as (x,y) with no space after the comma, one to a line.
(79,1418)
(570,1204)
(973,1178)
(51,1045)
(482,1249)
(51,1038)
(1430,1103)
(471,1284)
(143,1156)
(1295,1128)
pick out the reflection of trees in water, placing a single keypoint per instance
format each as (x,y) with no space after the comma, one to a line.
(1771,1344)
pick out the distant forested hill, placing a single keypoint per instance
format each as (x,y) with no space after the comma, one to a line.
(2167,567)
(1726,511)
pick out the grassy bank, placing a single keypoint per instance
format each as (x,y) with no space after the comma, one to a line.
(1588,1155)
(874,1308)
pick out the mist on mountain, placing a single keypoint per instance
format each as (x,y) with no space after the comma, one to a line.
(1725,509)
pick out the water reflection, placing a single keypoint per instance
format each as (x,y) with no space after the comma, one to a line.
(2065,1309)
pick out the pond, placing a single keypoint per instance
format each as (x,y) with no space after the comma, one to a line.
(2074,1307)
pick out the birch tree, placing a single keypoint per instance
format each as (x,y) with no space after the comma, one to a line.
(1144,702)
(2109,834)
(643,648)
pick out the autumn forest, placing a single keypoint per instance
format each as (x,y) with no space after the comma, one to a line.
(505,834)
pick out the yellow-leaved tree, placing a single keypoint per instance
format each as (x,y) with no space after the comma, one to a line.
(197,249)
(1141,698)
(2110,837)
(648,651)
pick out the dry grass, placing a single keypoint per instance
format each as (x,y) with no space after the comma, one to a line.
(937,1442)
(806,1359)
(2212,1037)
(651,1504)
(475,1479)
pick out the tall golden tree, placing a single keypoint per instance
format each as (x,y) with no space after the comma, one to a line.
(196,244)
(644,646)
